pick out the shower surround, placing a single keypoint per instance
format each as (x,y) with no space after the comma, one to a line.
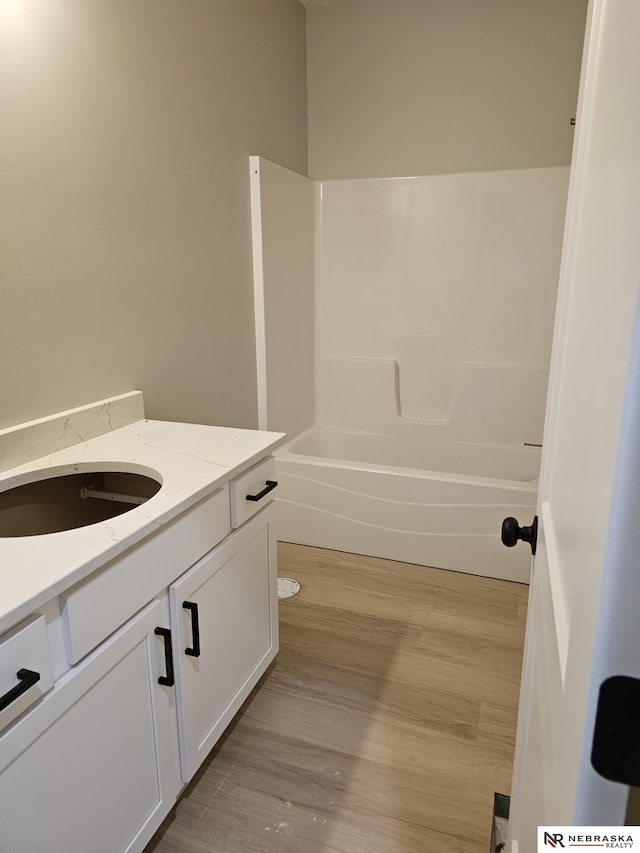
(434,300)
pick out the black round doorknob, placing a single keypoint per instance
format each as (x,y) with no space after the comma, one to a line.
(512,533)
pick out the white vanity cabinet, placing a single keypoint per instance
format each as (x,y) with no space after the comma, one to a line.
(99,760)
(224,611)
(93,766)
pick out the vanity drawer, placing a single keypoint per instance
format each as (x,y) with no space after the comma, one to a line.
(25,668)
(95,608)
(256,481)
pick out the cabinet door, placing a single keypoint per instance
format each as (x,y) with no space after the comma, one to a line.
(93,767)
(232,594)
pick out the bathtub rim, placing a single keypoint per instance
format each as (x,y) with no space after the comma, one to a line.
(285,454)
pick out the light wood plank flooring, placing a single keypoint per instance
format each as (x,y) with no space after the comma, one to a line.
(385,726)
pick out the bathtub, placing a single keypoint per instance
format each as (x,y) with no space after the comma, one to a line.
(431,502)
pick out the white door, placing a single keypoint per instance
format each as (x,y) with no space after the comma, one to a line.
(583,625)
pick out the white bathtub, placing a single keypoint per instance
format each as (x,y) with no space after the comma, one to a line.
(434,503)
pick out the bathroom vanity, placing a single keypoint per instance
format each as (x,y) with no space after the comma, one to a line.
(146,630)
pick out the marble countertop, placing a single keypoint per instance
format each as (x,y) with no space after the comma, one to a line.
(191,461)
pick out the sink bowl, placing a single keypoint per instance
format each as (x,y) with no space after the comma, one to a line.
(51,502)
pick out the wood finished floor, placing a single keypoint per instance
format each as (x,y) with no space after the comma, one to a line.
(385,725)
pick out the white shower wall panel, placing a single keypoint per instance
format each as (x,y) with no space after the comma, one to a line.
(451,280)
(282,212)
(490,403)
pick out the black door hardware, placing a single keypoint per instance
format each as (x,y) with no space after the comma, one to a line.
(194,649)
(271,484)
(27,678)
(168,679)
(615,753)
(512,532)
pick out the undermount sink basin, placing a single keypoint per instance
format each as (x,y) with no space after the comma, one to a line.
(51,503)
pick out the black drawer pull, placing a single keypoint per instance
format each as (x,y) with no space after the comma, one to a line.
(168,679)
(193,650)
(27,678)
(271,484)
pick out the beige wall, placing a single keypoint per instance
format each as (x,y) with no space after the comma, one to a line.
(125,239)
(417,87)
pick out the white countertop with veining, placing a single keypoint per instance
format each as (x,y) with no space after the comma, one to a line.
(191,462)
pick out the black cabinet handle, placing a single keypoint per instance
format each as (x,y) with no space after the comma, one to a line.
(271,484)
(194,650)
(27,678)
(168,679)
